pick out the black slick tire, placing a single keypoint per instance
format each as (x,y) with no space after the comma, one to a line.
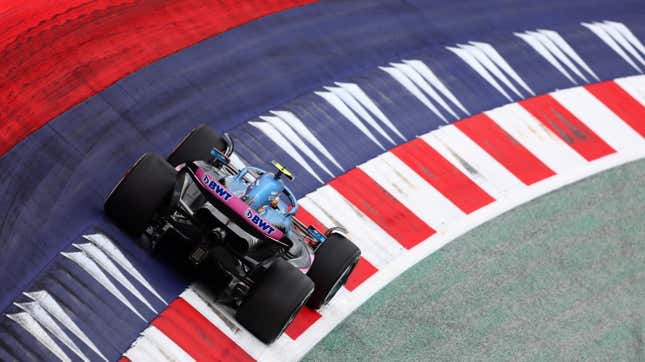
(197,145)
(144,189)
(334,262)
(274,301)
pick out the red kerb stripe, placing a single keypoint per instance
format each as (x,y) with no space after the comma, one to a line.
(504,148)
(303,320)
(382,207)
(569,128)
(363,271)
(630,110)
(442,175)
(196,335)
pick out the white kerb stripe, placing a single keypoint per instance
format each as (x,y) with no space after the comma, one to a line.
(635,86)
(473,161)
(605,123)
(412,191)
(536,138)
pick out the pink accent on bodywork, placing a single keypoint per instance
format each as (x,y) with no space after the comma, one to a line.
(237,205)
(305,270)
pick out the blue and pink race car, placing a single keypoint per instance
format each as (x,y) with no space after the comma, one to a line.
(236,228)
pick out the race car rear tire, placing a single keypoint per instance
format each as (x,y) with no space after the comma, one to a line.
(197,145)
(144,189)
(334,261)
(274,301)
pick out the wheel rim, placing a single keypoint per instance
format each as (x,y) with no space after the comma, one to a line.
(339,282)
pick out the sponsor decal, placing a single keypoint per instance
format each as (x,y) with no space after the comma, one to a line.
(257,220)
(220,190)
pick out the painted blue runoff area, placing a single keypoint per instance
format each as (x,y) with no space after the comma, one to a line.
(55,181)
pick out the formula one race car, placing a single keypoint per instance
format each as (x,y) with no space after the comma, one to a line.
(239,228)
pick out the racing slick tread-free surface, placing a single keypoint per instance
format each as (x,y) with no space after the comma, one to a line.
(197,146)
(276,298)
(141,192)
(333,258)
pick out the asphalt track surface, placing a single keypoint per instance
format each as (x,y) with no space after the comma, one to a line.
(560,278)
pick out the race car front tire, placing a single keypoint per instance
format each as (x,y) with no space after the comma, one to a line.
(334,261)
(197,145)
(144,189)
(274,301)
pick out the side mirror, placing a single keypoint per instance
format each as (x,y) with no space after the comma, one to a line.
(219,156)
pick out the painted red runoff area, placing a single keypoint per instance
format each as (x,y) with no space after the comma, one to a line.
(84,46)
(620,102)
(504,148)
(382,208)
(566,126)
(196,335)
(442,175)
